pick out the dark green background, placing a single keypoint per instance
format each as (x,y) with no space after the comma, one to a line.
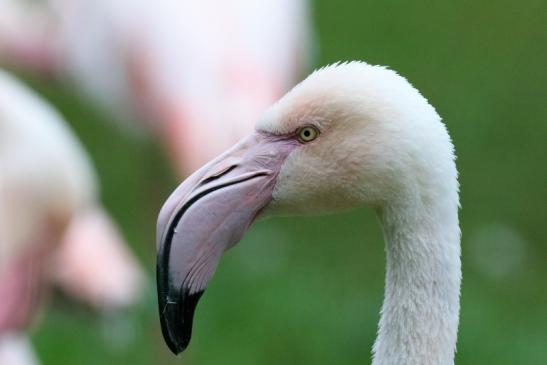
(308,290)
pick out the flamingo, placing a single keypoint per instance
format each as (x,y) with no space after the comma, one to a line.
(192,70)
(52,226)
(350,135)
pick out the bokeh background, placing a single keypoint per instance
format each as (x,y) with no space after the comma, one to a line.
(309,290)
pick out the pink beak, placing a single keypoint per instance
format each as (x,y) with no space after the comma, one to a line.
(206,215)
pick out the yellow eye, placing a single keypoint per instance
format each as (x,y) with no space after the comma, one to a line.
(307,134)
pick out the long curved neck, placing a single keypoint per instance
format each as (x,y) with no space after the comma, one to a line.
(419,320)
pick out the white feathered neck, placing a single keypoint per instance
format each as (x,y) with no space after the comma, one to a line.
(382,145)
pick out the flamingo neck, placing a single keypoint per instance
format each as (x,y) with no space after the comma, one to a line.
(420,313)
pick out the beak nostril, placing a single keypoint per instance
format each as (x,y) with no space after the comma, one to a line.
(217,175)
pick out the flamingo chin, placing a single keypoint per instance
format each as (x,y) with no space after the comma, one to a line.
(349,135)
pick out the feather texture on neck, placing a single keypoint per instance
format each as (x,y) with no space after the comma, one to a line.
(419,320)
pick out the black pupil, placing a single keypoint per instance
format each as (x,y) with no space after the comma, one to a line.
(307,133)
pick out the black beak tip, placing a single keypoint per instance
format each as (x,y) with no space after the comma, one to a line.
(176,344)
(176,319)
(174,334)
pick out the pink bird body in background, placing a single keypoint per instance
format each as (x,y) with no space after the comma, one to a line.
(199,72)
(52,227)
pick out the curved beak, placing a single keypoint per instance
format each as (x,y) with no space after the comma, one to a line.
(206,215)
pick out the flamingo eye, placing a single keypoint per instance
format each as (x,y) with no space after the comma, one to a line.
(307,134)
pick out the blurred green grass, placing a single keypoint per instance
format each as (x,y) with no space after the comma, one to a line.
(308,290)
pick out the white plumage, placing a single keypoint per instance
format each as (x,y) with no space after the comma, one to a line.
(382,145)
(350,135)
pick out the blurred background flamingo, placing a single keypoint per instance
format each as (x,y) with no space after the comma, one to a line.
(52,225)
(197,72)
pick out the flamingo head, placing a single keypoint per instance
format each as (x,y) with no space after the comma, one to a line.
(349,135)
